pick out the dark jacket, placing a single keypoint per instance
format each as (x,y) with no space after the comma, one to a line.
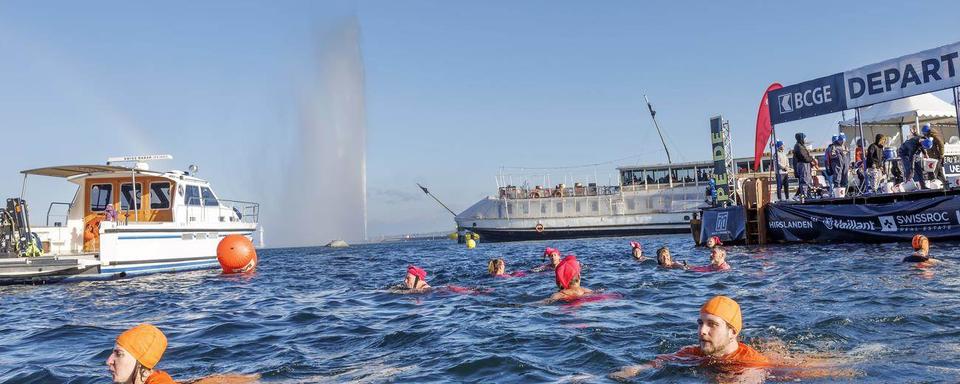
(874,156)
(801,154)
(909,148)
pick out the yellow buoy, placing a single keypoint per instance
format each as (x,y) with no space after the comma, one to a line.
(452,236)
(475,236)
(471,243)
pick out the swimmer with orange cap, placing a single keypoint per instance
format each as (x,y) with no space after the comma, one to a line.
(554,255)
(921,254)
(567,276)
(416,279)
(720,324)
(136,354)
(637,249)
(665,260)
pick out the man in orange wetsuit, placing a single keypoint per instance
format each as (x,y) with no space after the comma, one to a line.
(719,327)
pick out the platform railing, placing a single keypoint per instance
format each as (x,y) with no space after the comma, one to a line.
(248,211)
(65,216)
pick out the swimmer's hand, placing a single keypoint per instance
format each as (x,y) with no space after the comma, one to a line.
(629,372)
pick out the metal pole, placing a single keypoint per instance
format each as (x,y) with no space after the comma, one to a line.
(864,141)
(775,159)
(653,115)
(956,104)
(133,192)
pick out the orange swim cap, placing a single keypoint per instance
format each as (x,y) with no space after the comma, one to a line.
(920,241)
(145,342)
(726,309)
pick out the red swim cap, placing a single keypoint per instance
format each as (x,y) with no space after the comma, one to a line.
(567,270)
(716,239)
(417,271)
(635,244)
(549,251)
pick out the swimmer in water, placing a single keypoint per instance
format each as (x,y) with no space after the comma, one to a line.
(416,279)
(719,328)
(136,354)
(498,268)
(718,261)
(554,255)
(637,250)
(921,254)
(714,241)
(664,260)
(567,276)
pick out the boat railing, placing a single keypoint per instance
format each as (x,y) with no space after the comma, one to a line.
(515,192)
(248,211)
(63,216)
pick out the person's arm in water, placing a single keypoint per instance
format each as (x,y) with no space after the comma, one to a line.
(629,371)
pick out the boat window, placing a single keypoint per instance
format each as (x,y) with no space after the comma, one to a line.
(631,204)
(510,208)
(160,195)
(543,208)
(595,206)
(127,201)
(578,206)
(765,165)
(209,199)
(559,207)
(659,176)
(632,177)
(704,174)
(192,195)
(526,208)
(684,175)
(100,196)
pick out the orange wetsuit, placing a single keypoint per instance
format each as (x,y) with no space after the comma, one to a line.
(744,356)
(160,377)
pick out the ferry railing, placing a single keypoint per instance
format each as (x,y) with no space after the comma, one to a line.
(65,216)
(248,211)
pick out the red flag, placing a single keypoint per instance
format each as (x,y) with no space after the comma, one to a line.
(763,126)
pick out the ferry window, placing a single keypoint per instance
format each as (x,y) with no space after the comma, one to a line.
(578,206)
(526,208)
(559,207)
(160,195)
(594,206)
(704,175)
(765,165)
(509,208)
(127,199)
(543,208)
(684,175)
(660,176)
(192,195)
(100,196)
(631,204)
(208,198)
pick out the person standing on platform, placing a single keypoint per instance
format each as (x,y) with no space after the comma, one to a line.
(936,153)
(802,166)
(828,168)
(908,156)
(874,161)
(838,162)
(783,169)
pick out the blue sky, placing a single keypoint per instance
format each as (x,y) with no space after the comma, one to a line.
(453,90)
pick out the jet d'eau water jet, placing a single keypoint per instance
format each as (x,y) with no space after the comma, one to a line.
(324,195)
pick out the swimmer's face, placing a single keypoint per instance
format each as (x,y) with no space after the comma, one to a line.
(500,269)
(410,281)
(555,259)
(715,335)
(665,258)
(711,243)
(121,365)
(637,253)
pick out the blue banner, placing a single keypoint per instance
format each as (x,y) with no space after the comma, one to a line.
(727,223)
(936,217)
(807,99)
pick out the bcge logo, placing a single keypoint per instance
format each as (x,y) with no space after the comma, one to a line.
(888,224)
(785,102)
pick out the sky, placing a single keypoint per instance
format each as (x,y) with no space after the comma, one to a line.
(451,91)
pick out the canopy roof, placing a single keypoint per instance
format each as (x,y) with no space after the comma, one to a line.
(926,107)
(73,170)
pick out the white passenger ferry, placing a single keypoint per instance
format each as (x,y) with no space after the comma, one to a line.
(122,221)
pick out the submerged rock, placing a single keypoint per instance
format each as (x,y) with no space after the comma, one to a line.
(338,244)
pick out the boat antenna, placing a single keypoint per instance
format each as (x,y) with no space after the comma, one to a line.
(435,198)
(653,115)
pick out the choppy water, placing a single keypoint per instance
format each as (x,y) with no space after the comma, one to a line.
(325,315)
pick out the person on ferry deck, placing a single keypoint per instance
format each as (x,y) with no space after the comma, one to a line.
(874,159)
(802,161)
(720,324)
(136,354)
(567,276)
(554,255)
(664,260)
(783,170)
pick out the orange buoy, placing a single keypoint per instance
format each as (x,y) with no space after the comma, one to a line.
(236,254)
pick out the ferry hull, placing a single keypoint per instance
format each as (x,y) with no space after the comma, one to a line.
(504,235)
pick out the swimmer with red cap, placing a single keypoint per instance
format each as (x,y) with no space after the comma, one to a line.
(637,250)
(665,260)
(719,328)
(554,255)
(714,241)
(567,276)
(416,279)
(921,254)
(718,261)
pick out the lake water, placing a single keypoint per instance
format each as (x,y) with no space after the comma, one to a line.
(327,315)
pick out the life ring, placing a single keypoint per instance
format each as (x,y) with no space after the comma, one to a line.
(538,228)
(535,194)
(558,193)
(92,229)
